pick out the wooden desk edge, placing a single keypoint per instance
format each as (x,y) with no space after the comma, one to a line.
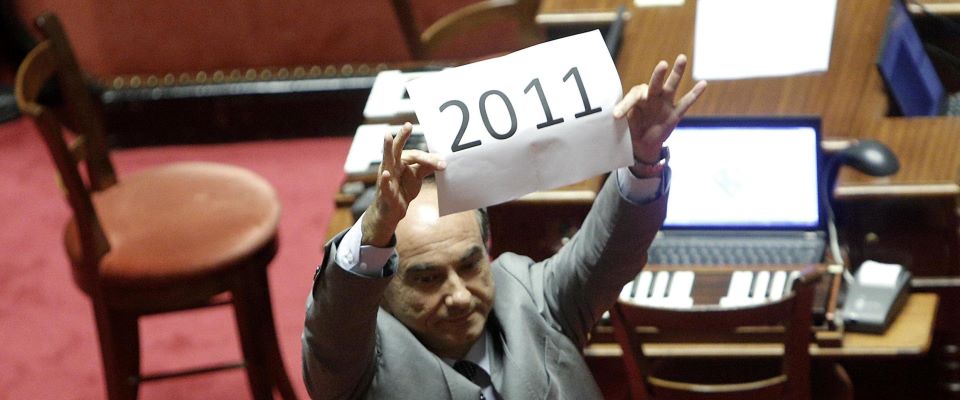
(854,344)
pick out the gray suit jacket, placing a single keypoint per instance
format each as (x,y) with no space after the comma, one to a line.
(541,316)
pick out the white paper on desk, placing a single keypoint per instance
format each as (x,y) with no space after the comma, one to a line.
(738,39)
(532,158)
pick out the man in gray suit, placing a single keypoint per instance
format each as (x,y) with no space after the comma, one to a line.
(407,305)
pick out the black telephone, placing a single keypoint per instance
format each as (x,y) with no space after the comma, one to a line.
(875,296)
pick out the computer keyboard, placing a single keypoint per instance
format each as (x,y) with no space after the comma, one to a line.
(735,251)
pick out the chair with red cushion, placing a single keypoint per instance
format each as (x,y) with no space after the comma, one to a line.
(170,238)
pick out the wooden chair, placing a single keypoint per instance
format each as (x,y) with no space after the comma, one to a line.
(170,238)
(787,322)
(424,45)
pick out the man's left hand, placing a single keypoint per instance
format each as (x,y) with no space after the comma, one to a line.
(651,111)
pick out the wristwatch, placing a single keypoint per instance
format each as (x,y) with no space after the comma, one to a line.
(652,169)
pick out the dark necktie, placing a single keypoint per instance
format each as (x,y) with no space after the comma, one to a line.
(474,373)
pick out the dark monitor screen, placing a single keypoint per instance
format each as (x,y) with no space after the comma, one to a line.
(914,86)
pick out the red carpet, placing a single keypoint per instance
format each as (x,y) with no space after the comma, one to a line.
(48,345)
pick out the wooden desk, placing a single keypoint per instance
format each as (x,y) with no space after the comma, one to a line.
(910,217)
(913,213)
(851,99)
(909,335)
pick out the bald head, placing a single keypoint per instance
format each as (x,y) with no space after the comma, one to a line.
(443,288)
(423,215)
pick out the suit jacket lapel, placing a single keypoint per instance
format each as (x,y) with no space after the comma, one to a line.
(522,373)
(410,362)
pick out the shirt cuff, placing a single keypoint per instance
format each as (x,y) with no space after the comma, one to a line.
(366,261)
(637,190)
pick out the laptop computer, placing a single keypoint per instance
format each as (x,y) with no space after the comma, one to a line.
(744,190)
(908,73)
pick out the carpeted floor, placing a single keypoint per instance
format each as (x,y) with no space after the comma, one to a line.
(48,346)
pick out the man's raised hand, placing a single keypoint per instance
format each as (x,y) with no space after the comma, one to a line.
(651,111)
(399,179)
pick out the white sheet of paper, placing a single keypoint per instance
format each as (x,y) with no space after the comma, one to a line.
(738,39)
(494,155)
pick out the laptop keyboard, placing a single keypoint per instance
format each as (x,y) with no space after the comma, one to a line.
(735,251)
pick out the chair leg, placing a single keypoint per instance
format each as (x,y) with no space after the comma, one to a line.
(269,341)
(258,336)
(830,381)
(119,335)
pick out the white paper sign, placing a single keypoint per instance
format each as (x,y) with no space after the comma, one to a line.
(536,119)
(738,39)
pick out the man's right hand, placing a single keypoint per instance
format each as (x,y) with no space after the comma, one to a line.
(399,179)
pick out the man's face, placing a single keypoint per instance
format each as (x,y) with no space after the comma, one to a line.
(443,289)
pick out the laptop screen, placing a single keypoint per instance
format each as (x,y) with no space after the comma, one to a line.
(745,173)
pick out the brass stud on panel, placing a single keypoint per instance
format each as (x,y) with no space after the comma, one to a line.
(218,76)
(152,81)
(265,74)
(135,82)
(169,79)
(250,75)
(283,73)
(363,69)
(330,70)
(315,70)
(347,70)
(299,72)
(201,77)
(184,78)
(118,83)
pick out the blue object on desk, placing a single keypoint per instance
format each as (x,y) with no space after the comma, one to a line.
(915,88)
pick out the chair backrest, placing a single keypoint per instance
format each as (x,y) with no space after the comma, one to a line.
(423,45)
(786,321)
(52,60)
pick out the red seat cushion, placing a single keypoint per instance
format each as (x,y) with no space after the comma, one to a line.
(180,221)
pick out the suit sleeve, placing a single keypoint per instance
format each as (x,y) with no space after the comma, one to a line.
(339,334)
(584,278)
